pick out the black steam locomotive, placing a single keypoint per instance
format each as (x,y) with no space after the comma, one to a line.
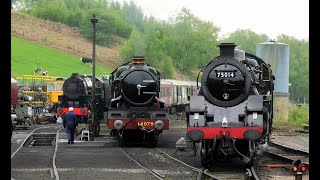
(232,115)
(136,113)
(77,93)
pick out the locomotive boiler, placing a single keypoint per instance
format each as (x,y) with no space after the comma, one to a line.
(136,112)
(232,114)
(77,93)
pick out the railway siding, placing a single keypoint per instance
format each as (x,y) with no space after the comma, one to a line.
(296,141)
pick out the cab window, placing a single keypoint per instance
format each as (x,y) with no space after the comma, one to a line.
(59,87)
(51,87)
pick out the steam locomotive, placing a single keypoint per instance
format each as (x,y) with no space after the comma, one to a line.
(232,114)
(77,93)
(136,113)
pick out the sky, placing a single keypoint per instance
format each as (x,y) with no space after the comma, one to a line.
(270,17)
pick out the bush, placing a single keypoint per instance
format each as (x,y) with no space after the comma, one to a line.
(299,116)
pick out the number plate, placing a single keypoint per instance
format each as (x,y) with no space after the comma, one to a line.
(225,74)
(146,124)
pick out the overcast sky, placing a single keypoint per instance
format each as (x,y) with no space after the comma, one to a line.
(271,17)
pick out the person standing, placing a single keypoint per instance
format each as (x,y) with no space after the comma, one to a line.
(70,122)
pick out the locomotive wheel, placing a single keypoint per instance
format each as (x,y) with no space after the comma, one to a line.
(154,139)
(98,130)
(252,152)
(204,154)
(121,139)
(173,110)
(95,129)
(114,132)
(195,146)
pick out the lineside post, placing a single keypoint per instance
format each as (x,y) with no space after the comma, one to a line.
(94,20)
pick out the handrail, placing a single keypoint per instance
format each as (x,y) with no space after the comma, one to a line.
(33,77)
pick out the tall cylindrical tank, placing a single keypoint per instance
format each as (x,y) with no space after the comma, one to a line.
(14,92)
(277,55)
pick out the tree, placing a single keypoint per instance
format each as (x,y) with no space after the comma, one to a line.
(193,42)
(246,40)
(77,13)
(299,67)
(134,46)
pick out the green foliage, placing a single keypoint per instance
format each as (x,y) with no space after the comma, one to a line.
(246,40)
(27,56)
(112,20)
(155,51)
(299,116)
(52,10)
(193,43)
(134,46)
(299,67)
(182,44)
(134,15)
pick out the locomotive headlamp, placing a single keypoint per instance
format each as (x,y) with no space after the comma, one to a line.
(224,122)
(159,124)
(118,124)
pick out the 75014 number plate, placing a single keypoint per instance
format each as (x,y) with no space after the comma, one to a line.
(225,74)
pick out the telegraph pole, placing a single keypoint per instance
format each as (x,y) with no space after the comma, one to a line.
(94,20)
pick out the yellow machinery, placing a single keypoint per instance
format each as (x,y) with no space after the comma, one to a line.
(54,89)
(39,89)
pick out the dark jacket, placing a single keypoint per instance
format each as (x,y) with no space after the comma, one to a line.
(70,119)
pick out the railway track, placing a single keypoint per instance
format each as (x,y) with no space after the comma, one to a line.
(287,153)
(248,173)
(278,158)
(201,172)
(163,166)
(45,138)
(234,170)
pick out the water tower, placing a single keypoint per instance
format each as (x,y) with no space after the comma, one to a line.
(277,55)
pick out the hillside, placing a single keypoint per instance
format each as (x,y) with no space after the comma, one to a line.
(26,56)
(64,38)
(60,36)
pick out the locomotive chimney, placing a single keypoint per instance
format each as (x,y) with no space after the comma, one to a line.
(227,49)
(138,59)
